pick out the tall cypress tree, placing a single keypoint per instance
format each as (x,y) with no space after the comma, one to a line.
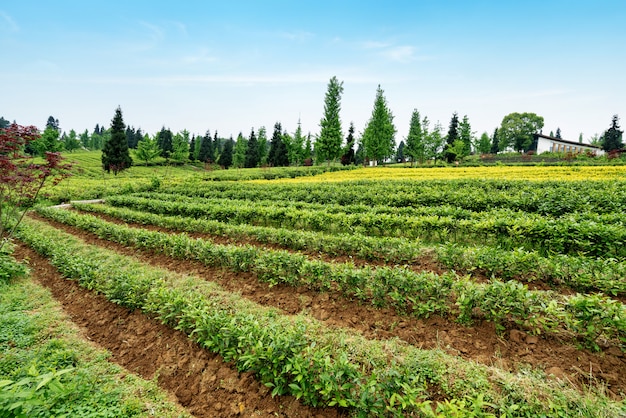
(414,147)
(379,134)
(328,144)
(115,154)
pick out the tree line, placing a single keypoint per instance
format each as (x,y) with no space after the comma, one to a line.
(376,143)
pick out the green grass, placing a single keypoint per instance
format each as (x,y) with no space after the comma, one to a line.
(46,370)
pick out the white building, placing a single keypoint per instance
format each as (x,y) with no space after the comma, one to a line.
(544,143)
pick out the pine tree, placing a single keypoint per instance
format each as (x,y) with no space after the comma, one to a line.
(164,140)
(239,153)
(414,147)
(466,136)
(378,137)
(206,148)
(328,145)
(252,152)
(226,157)
(453,135)
(348,157)
(296,151)
(53,123)
(558,133)
(278,151)
(613,136)
(495,146)
(192,149)
(400,152)
(263,146)
(115,154)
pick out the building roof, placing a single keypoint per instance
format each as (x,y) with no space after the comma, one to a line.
(564,141)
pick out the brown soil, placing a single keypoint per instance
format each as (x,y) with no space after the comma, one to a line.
(200,381)
(511,351)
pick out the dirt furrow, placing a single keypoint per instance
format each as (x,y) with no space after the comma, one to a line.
(201,381)
(512,351)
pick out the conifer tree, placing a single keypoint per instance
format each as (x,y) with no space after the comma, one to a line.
(239,153)
(348,156)
(414,147)
(278,151)
(453,135)
(378,137)
(252,152)
(115,154)
(226,157)
(613,136)
(328,145)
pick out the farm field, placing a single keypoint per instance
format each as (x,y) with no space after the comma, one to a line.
(369,292)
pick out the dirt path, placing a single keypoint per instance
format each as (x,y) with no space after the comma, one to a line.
(511,351)
(201,381)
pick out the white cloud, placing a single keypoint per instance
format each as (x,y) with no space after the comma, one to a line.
(7,22)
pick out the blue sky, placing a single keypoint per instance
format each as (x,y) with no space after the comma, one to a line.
(235,65)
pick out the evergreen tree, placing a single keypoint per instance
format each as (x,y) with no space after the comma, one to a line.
(206,149)
(4,123)
(348,156)
(328,145)
(296,151)
(53,123)
(115,155)
(453,135)
(130,137)
(263,146)
(196,149)
(252,152)
(400,152)
(466,136)
(226,157)
(278,151)
(192,149)
(84,139)
(378,137)
(495,147)
(239,153)
(414,147)
(217,147)
(613,136)
(164,140)
(558,133)
(308,151)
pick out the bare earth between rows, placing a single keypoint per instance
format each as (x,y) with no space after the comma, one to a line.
(511,351)
(199,380)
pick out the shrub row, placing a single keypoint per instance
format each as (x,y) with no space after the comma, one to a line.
(419,293)
(579,273)
(299,356)
(549,235)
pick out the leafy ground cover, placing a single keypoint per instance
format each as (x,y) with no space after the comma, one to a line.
(47,369)
(506,298)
